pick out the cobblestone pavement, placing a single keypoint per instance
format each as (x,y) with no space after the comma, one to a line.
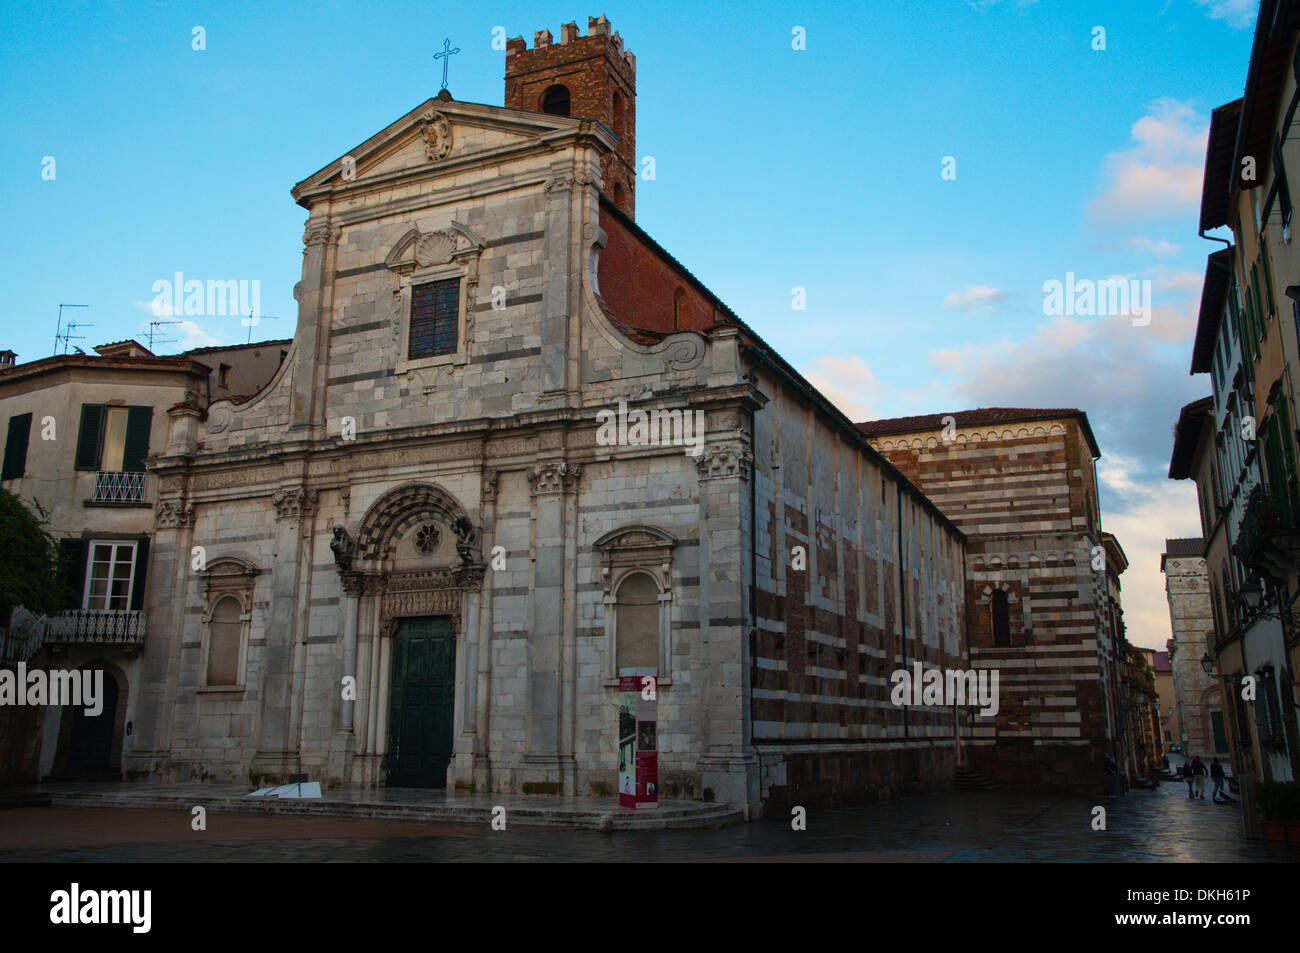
(1142,826)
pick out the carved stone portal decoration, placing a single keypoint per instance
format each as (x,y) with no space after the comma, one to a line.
(427,538)
(466,541)
(437,136)
(294,503)
(722,461)
(344,548)
(554,477)
(402,506)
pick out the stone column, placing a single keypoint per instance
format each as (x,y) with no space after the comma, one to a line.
(728,766)
(315,295)
(277,755)
(169,575)
(483,647)
(559,289)
(351,604)
(551,483)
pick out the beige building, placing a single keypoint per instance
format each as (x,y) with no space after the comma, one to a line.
(78,430)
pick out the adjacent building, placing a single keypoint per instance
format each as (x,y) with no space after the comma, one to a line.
(1240,443)
(78,429)
(1042,583)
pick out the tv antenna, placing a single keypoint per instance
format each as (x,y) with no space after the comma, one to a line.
(153,326)
(251,321)
(67,336)
(59,327)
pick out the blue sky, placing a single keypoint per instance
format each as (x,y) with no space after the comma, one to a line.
(775,168)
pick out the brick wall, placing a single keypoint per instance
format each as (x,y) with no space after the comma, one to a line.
(601,79)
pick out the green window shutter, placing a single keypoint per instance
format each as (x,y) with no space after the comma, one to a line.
(1259,303)
(90,439)
(141,569)
(74,569)
(15,462)
(1268,284)
(138,422)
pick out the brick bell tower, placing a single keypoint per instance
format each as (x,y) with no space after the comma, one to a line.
(590,76)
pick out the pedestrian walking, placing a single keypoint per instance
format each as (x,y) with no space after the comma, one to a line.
(1198,775)
(1111,769)
(1186,772)
(1216,775)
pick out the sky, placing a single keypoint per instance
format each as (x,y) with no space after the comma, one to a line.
(919,170)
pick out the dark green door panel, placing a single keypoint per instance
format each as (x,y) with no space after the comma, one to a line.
(422,703)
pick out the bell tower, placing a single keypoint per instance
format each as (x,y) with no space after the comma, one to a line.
(590,76)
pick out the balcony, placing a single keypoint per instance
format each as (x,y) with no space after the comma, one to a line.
(112,487)
(97,627)
(1269,539)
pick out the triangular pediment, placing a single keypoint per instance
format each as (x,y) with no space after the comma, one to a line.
(442,132)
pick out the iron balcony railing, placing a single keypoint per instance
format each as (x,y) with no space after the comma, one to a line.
(113,487)
(1266,512)
(119,627)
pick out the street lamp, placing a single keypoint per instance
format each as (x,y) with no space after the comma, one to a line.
(1207,664)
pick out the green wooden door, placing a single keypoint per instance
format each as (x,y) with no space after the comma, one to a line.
(422,703)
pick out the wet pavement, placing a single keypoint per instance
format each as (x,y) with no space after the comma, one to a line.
(1000,826)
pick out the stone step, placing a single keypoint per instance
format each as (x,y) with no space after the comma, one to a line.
(667,818)
(967,780)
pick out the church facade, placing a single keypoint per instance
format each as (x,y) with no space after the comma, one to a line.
(515,450)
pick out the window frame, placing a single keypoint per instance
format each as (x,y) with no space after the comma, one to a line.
(227,577)
(626,551)
(113,562)
(425,276)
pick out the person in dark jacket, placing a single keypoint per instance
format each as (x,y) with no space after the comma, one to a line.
(1216,775)
(1186,772)
(1198,776)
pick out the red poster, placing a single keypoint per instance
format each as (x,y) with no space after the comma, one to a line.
(638,740)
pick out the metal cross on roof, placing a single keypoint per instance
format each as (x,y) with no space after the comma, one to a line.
(447,51)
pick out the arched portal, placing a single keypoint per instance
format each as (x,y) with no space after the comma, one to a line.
(415,572)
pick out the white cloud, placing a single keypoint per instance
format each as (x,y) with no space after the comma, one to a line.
(1160,177)
(1141,520)
(848,383)
(974,298)
(191,334)
(1160,249)
(1238,14)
